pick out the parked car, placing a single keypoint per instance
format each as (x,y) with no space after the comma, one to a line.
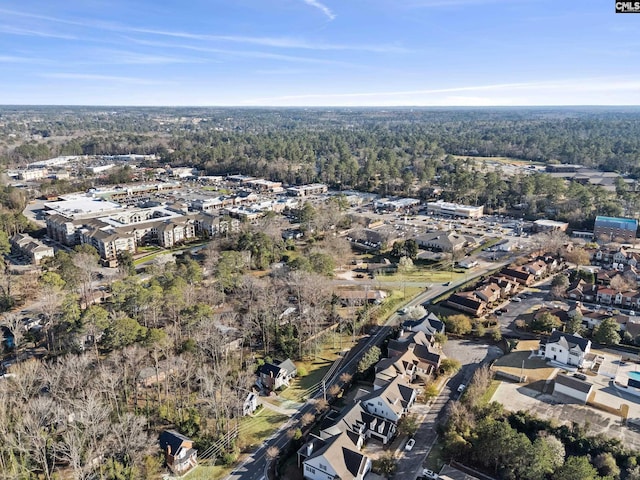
(461,388)
(402,311)
(410,444)
(430,474)
(516,299)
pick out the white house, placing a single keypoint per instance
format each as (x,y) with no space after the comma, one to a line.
(566,348)
(357,420)
(572,387)
(392,401)
(335,457)
(250,403)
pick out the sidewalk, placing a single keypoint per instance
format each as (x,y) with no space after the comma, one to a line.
(281,406)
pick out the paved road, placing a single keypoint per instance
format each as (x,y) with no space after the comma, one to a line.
(471,355)
(253,467)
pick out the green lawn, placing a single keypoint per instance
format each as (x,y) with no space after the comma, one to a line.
(316,370)
(255,430)
(486,396)
(421,275)
(207,472)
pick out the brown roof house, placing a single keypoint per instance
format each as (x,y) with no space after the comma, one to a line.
(467,302)
(179,452)
(519,275)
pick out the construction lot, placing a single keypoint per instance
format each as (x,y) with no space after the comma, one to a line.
(534,395)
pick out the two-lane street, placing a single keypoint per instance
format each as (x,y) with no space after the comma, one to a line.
(253,467)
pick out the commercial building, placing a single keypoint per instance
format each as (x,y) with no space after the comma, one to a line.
(441,207)
(544,225)
(396,204)
(306,190)
(615,229)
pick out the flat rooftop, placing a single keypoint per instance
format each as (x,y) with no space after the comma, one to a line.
(81,205)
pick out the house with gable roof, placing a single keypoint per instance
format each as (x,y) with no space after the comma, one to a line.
(179,452)
(430,325)
(567,348)
(333,458)
(467,302)
(275,375)
(358,420)
(489,292)
(392,401)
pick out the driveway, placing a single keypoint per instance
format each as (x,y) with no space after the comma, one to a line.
(471,354)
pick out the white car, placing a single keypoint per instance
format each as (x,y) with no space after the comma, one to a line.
(516,299)
(430,474)
(461,388)
(410,444)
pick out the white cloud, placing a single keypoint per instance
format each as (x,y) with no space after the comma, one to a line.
(320,6)
(584,91)
(103,78)
(11,30)
(16,59)
(242,53)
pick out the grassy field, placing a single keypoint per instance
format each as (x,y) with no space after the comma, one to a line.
(421,275)
(300,386)
(254,430)
(206,472)
(518,362)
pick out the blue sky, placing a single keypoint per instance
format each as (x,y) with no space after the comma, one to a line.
(318,52)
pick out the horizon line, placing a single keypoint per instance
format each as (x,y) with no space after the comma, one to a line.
(245,106)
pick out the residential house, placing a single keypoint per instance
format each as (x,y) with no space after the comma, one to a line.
(414,360)
(179,452)
(633,328)
(274,376)
(357,420)
(360,297)
(537,268)
(429,324)
(337,457)
(507,287)
(606,295)
(392,401)
(400,344)
(519,275)
(570,349)
(489,292)
(37,251)
(149,376)
(583,291)
(250,403)
(467,302)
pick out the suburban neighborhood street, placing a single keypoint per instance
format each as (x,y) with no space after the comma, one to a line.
(253,467)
